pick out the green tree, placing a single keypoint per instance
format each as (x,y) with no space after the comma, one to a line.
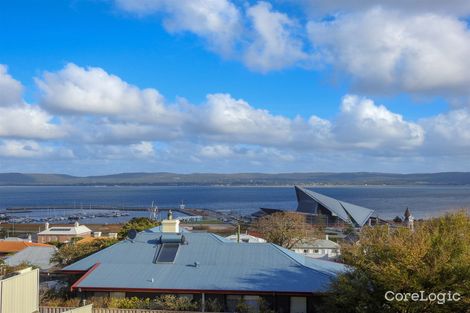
(137,223)
(434,258)
(74,251)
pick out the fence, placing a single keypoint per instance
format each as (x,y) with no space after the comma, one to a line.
(83,309)
(20,293)
(44,309)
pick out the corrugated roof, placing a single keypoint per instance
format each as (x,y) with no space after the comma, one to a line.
(317,244)
(39,256)
(15,246)
(206,262)
(66,230)
(348,212)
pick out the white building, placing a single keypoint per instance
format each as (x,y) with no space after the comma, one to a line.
(63,233)
(246,238)
(318,248)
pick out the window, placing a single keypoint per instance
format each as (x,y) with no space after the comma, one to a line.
(305,251)
(167,253)
(298,305)
(117,294)
(252,302)
(317,251)
(232,302)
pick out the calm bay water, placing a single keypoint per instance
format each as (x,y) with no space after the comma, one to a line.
(388,201)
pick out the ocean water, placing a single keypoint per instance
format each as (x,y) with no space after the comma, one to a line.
(388,201)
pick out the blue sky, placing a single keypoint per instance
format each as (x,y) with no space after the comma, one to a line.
(242,86)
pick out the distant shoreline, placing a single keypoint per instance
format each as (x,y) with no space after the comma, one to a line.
(240,186)
(314,179)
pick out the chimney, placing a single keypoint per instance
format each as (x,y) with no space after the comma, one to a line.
(327,237)
(46,226)
(170,225)
(76,224)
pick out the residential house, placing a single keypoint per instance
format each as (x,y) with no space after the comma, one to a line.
(205,266)
(318,248)
(12,247)
(63,233)
(35,255)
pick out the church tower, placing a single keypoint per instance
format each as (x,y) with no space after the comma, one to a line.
(409,219)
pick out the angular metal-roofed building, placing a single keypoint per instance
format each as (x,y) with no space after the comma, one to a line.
(205,266)
(330,209)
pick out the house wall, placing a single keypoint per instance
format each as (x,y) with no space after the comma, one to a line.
(20,293)
(60,238)
(279,303)
(318,253)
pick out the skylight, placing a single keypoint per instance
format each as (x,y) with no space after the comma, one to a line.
(167,253)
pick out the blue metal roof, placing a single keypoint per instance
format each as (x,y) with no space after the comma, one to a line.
(39,256)
(348,212)
(205,262)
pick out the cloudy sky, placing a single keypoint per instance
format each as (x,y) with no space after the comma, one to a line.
(97,87)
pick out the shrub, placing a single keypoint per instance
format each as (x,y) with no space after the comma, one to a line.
(137,223)
(213,305)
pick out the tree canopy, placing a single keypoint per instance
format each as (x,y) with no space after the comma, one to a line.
(137,223)
(434,258)
(75,250)
(285,229)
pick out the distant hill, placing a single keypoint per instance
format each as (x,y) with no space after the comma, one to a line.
(254,179)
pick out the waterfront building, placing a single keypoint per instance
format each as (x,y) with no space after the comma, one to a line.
(321,209)
(318,248)
(63,233)
(191,218)
(204,266)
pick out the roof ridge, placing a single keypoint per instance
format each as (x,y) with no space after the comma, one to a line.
(281,249)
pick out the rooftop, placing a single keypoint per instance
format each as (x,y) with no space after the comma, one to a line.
(15,246)
(156,261)
(66,230)
(348,212)
(35,255)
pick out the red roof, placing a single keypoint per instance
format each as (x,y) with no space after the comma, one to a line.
(15,246)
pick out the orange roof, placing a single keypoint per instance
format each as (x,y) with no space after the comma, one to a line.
(15,246)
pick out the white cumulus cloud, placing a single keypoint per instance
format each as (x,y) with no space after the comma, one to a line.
(32,149)
(394,52)
(361,123)
(20,120)
(10,89)
(274,43)
(217,21)
(80,91)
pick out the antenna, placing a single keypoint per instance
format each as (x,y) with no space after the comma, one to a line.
(131,234)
